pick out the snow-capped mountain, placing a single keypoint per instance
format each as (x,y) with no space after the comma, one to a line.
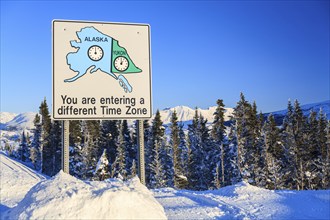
(6,117)
(12,121)
(186,114)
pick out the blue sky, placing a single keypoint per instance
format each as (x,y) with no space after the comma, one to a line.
(201,50)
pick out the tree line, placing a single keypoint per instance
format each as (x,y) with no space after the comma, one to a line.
(252,148)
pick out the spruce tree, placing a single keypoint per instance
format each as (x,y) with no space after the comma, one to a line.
(300,144)
(90,149)
(295,146)
(323,142)
(121,154)
(56,147)
(274,154)
(133,170)
(109,138)
(76,161)
(148,149)
(218,126)
(24,151)
(218,135)
(175,143)
(216,181)
(257,149)
(75,136)
(183,153)
(46,149)
(102,168)
(167,161)
(208,154)
(243,115)
(290,172)
(199,173)
(232,172)
(312,160)
(130,148)
(35,152)
(157,175)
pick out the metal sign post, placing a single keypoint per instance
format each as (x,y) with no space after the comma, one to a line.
(65,146)
(141,161)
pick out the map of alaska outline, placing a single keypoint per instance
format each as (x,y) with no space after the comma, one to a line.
(101,52)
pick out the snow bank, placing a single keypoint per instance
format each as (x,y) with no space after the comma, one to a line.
(16,181)
(244,201)
(258,203)
(65,197)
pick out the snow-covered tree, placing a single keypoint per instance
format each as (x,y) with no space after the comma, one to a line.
(55,147)
(218,136)
(157,175)
(325,151)
(109,138)
(199,172)
(121,154)
(133,170)
(274,154)
(35,151)
(183,151)
(46,149)
(232,173)
(102,168)
(130,148)
(76,161)
(24,150)
(90,149)
(245,141)
(175,143)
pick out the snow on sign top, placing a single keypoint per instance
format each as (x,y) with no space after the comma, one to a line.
(101,70)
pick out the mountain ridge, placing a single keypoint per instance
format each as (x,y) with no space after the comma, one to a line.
(14,121)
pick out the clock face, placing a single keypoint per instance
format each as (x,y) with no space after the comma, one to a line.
(95,53)
(121,63)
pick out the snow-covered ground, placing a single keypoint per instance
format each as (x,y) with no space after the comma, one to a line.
(28,195)
(243,201)
(25,194)
(16,180)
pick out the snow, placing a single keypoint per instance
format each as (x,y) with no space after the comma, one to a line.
(25,194)
(244,201)
(16,181)
(6,117)
(65,197)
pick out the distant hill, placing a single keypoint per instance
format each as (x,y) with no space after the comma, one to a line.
(24,121)
(12,121)
(316,107)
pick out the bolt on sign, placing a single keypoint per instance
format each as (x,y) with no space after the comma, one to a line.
(101,70)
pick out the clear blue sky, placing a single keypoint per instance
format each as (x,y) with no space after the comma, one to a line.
(201,51)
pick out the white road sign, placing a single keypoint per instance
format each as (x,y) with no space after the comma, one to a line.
(101,70)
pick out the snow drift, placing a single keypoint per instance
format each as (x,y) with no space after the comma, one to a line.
(65,197)
(16,181)
(244,201)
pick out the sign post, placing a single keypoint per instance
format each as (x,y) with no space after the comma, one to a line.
(65,146)
(141,161)
(101,71)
